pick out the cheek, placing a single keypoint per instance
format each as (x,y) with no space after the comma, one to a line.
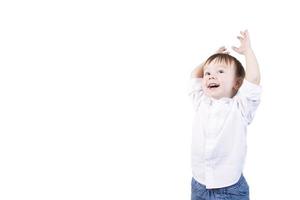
(228,85)
(203,83)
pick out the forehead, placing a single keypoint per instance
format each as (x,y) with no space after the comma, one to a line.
(218,64)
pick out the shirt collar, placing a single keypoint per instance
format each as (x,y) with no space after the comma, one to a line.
(210,100)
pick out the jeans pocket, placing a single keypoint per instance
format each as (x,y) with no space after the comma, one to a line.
(243,189)
(197,187)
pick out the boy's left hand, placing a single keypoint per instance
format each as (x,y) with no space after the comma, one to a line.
(245,43)
(222,49)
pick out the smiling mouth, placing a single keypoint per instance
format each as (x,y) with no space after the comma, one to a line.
(213,85)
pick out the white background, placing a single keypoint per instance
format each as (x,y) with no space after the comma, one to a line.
(93,96)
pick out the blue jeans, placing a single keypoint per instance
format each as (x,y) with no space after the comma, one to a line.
(237,191)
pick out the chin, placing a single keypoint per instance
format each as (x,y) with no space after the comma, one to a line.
(214,96)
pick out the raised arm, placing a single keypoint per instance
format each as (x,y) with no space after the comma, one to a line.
(198,71)
(252,68)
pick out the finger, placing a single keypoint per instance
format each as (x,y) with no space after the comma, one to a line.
(235,49)
(240,38)
(222,48)
(246,33)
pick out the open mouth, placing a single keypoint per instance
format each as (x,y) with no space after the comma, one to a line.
(213,85)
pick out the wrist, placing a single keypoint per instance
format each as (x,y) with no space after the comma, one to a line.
(248,52)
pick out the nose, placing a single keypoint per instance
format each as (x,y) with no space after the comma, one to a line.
(211,77)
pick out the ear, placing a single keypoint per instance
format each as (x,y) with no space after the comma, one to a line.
(238,83)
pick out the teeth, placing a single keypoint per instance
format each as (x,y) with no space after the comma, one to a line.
(213,85)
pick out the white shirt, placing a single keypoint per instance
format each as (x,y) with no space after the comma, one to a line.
(219,134)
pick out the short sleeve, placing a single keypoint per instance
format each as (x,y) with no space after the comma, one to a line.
(248,99)
(195,91)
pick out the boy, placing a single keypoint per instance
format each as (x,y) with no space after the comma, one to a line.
(225,97)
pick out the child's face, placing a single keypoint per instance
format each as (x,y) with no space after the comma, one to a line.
(219,80)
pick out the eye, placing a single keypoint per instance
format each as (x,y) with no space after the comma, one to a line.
(207,73)
(221,71)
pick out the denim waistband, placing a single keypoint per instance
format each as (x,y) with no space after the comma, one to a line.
(224,189)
